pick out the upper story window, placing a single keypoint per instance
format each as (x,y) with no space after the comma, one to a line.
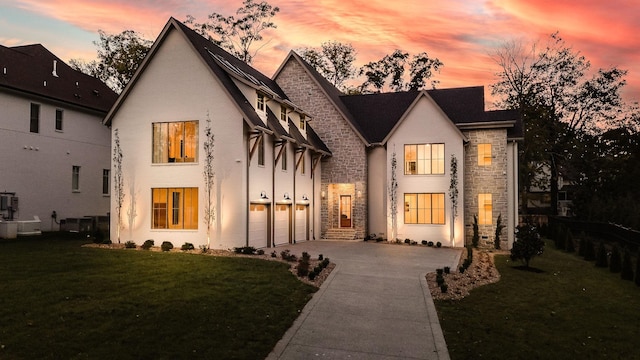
(261,150)
(34,123)
(283,113)
(175,142)
(59,115)
(423,159)
(260,103)
(303,121)
(283,160)
(484,154)
(105,181)
(303,169)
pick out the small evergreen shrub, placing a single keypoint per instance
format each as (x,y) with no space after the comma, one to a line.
(288,256)
(259,252)
(438,244)
(166,246)
(379,238)
(306,256)
(414,242)
(187,246)
(444,287)
(447,270)
(106,241)
(462,269)
(246,250)
(615,263)
(303,265)
(325,262)
(499,227)
(439,271)
(407,241)
(440,280)
(476,232)
(320,257)
(147,244)
(203,249)
(601,256)
(318,269)
(527,245)
(627,266)
(430,243)
(470,254)
(274,254)
(312,275)
(130,245)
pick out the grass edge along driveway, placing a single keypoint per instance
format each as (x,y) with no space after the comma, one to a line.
(61,301)
(571,310)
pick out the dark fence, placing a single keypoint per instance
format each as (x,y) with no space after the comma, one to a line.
(603,231)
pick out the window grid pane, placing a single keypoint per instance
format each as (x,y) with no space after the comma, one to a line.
(75,178)
(34,123)
(485,209)
(174,208)
(424,159)
(484,154)
(175,142)
(105,181)
(59,119)
(424,208)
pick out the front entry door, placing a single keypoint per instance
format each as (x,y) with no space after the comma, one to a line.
(345,211)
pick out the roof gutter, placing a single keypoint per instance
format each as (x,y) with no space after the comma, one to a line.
(487,125)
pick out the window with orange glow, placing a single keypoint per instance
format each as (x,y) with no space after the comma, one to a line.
(424,208)
(423,159)
(175,142)
(484,154)
(485,209)
(174,208)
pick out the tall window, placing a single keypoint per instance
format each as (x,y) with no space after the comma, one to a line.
(485,209)
(484,154)
(424,208)
(175,142)
(174,208)
(303,121)
(260,104)
(105,181)
(303,170)
(424,159)
(283,113)
(75,178)
(260,150)
(34,123)
(59,114)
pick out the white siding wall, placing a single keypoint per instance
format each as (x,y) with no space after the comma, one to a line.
(377,190)
(38,166)
(427,124)
(177,86)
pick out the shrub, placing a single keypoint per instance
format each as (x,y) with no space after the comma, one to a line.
(444,287)
(430,243)
(259,252)
(601,256)
(440,280)
(246,250)
(147,244)
(424,242)
(447,270)
(615,263)
(407,241)
(438,244)
(320,257)
(106,241)
(318,269)
(166,246)
(130,245)
(306,256)
(470,254)
(527,245)
(476,232)
(462,269)
(499,227)
(288,256)
(570,247)
(312,275)
(439,271)
(274,254)
(187,246)
(627,266)
(414,242)
(303,265)
(325,262)
(203,249)
(589,251)
(379,238)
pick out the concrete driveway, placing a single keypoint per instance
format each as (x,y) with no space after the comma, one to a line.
(374,305)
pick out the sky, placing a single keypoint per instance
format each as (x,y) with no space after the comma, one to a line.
(463,34)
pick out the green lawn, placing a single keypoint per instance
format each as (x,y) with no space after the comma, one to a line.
(59,300)
(572,310)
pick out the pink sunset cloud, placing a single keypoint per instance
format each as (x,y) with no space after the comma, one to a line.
(461,33)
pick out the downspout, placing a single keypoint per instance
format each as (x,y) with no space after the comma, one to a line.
(313,204)
(292,211)
(273,192)
(248,202)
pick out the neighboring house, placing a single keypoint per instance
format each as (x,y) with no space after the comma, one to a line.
(54,150)
(424,129)
(266,156)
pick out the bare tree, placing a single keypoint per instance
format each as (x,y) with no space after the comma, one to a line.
(453,196)
(209,178)
(238,35)
(393,197)
(118,183)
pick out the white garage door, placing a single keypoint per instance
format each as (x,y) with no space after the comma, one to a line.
(302,222)
(282,224)
(258,230)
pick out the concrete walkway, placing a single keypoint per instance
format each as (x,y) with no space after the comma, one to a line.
(374,305)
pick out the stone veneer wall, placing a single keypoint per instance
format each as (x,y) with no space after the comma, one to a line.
(486,179)
(348,165)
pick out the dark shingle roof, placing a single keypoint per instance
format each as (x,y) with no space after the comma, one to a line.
(27,68)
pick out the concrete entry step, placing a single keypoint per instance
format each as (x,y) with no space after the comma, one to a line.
(340,234)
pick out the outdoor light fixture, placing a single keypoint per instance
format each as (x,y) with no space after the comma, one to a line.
(263,195)
(323,194)
(286,196)
(304,197)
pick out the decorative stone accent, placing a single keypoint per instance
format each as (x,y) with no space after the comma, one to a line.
(490,179)
(348,165)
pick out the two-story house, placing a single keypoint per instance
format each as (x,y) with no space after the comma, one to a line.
(54,150)
(422,131)
(266,156)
